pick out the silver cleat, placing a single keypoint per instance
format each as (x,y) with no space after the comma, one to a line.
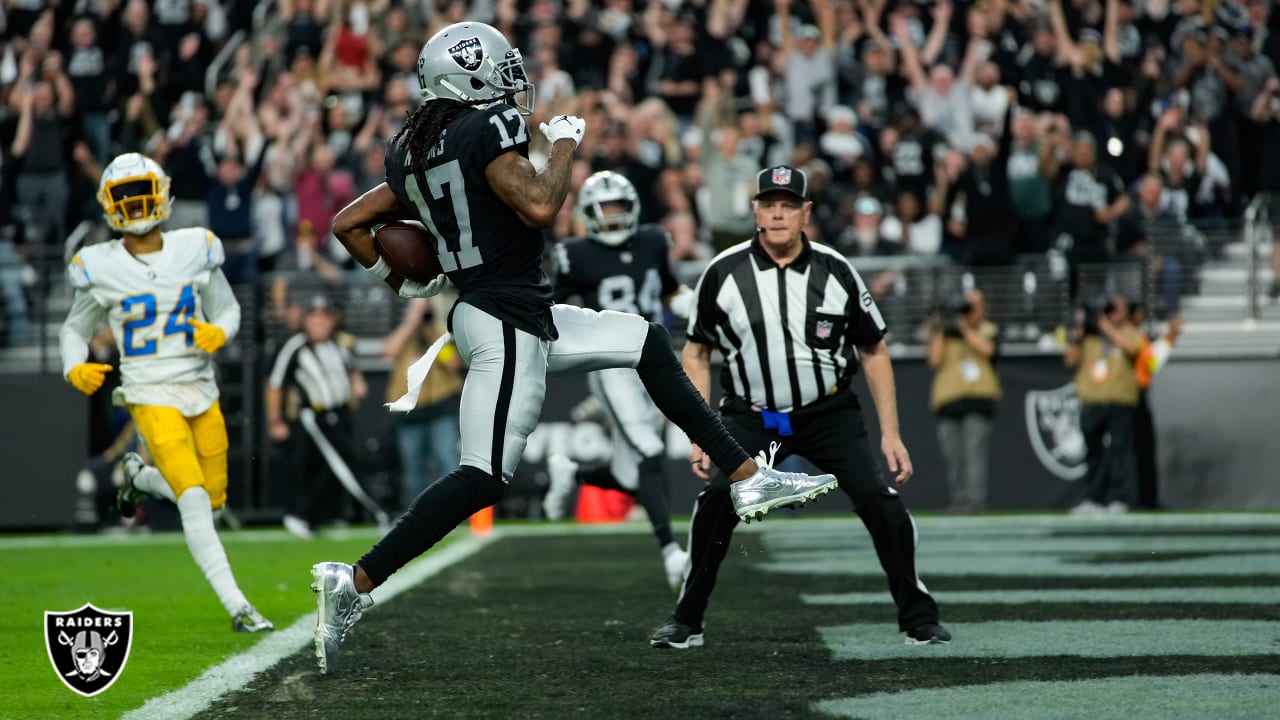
(338,607)
(249,620)
(768,489)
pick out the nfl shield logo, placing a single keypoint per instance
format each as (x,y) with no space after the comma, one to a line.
(782,176)
(88,647)
(1053,425)
(824,330)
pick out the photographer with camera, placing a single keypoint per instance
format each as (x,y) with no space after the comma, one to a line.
(1102,351)
(962,352)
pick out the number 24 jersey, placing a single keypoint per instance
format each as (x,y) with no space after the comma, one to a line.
(149,302)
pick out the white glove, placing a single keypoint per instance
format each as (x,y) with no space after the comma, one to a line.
(681,302)
(411,289)
(564,127)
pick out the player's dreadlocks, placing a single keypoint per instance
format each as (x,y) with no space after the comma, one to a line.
(423,126)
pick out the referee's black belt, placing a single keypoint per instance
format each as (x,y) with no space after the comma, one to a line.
(782,422)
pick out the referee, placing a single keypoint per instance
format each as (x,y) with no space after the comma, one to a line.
(791,319)
(321,373)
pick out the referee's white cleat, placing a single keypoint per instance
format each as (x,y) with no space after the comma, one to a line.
(769,489)
(338,607)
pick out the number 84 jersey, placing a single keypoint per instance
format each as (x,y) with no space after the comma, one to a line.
(149,301)
(633,277)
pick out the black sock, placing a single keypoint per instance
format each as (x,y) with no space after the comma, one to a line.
(432,515)
(652,496)
(676,397)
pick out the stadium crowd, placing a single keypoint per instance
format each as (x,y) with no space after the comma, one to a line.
(976,131)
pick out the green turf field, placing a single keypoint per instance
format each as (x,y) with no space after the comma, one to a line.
(179,626)
(1170,616)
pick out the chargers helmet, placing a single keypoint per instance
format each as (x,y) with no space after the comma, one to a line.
(134,194)
(608,188)
(474,63)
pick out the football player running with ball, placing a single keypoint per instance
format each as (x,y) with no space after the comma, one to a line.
(460,166)
(623,266)
(170,308)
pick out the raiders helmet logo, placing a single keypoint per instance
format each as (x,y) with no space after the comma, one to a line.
(468,54)
(88,647)
(1053,425)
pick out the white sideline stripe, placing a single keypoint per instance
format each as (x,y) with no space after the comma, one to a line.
(1076,638)
(1011,565)
(1180,696)
(1179,595)
(239,670)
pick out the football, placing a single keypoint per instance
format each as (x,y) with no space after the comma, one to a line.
(409,249)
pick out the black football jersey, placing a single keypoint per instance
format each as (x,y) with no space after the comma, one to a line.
(484,247)
(632,277)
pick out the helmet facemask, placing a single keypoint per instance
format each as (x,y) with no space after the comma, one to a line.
(612,222)
(610,207)
(134,194)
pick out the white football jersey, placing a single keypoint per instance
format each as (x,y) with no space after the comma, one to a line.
(149,301)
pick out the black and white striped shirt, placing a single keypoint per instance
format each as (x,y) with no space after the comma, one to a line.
(787,335)
(320,371)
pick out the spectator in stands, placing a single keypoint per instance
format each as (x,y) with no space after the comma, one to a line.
(982,193)
(1152,233)
(683,228)
(88,67)
(810,69)
(428,437)
(1180,170)
(680,69)
(945,101)
(1102,351)
(46,102)
(730,175)
(842,144)
(1089,198)
(1030,187)
(321,190)
(962,351)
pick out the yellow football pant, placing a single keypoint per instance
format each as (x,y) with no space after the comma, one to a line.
(188,451)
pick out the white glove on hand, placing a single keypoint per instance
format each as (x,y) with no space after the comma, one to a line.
(411,289)
(564,127)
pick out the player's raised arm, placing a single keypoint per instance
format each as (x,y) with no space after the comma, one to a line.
(536,195)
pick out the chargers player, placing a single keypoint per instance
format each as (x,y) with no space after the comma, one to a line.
(170,307)
(623,266)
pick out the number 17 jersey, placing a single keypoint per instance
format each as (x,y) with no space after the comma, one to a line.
(484,247)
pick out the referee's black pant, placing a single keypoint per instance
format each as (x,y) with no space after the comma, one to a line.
(831,434)
(317,490)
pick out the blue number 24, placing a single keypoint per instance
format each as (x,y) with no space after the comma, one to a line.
(179,320)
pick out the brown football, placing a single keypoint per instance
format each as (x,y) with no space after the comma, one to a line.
(409,249)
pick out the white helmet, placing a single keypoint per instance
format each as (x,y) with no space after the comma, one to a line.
(474,63)
(134,183)
(607,188)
